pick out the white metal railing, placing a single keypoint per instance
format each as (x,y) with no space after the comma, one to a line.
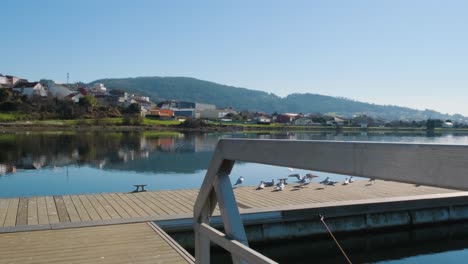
(427,164)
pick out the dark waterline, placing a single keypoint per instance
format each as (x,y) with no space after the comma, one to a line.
(431,244)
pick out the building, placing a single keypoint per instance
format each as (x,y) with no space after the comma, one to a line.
(305,121)
(160,113)
(30,89)
(335,121)
(74,97)
(58,91)
(185,109)
(447,124)
(98,89)
(286,118)
(7,81)
(214,113)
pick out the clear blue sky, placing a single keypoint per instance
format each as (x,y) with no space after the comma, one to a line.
(410,53)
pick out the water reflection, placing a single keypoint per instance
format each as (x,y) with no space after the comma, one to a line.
(158,152)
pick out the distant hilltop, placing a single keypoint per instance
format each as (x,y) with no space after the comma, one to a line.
(194,90)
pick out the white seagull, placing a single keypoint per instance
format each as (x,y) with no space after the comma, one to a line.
(261,185)
(346,182)
(351,179)
(280,186)
(239,181)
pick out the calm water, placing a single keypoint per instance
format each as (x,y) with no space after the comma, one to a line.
(76,163)
(91,162)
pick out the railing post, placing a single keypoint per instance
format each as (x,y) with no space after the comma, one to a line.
(202,242)
(233,226)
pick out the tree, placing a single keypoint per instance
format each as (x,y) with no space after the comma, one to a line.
(5,95)
(133,109)
(87,101)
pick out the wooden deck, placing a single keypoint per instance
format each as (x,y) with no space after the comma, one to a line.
(35,213)
(126,243)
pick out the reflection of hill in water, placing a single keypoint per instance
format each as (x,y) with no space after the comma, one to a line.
(146,151)
(166,162)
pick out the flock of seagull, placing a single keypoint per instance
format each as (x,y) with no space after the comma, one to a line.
(302,180)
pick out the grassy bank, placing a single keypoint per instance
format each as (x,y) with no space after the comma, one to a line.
(147,124)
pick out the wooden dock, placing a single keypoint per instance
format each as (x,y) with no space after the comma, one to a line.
(54,212)
(138,243)
(117,227)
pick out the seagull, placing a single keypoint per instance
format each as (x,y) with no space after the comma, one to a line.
(351,179)
(239,181)
(326,181)
(298,176)
(311,176)
(261,185)
(306,182)
(269,184)
(290,169)
(280,186)
(371,180)
(284,180)
(346,182)
(332,183)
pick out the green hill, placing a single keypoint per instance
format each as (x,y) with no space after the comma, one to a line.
(194,90)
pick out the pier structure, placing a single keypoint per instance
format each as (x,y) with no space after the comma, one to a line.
(130,226)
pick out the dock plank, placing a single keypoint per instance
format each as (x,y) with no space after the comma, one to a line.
(22,217)
(116,206)
(3,210)
(107,206)
(130,211)
(93,214)
(51,210)
(42,216)
(140,204)
(10,218)
(135,207)
(80,209)
(61,209)
(71,209)
(99,208)
(33,218)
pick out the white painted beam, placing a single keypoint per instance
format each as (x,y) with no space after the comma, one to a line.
(428,164)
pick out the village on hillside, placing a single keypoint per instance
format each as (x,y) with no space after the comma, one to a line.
(116,102)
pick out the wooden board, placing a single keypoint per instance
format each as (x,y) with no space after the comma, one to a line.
(130,243)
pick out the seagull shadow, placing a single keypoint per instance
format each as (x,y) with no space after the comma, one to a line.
(320,188)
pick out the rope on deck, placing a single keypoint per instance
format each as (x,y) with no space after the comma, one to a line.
(336,241)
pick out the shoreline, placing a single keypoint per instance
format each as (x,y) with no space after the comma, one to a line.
(15,127)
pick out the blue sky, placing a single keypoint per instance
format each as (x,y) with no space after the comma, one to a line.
(409,53)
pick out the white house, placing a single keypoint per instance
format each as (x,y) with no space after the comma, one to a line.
(74,97)
(30,89)
(213,113)
(447,124)
(58,91)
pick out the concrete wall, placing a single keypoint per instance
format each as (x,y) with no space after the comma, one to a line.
(264,226)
